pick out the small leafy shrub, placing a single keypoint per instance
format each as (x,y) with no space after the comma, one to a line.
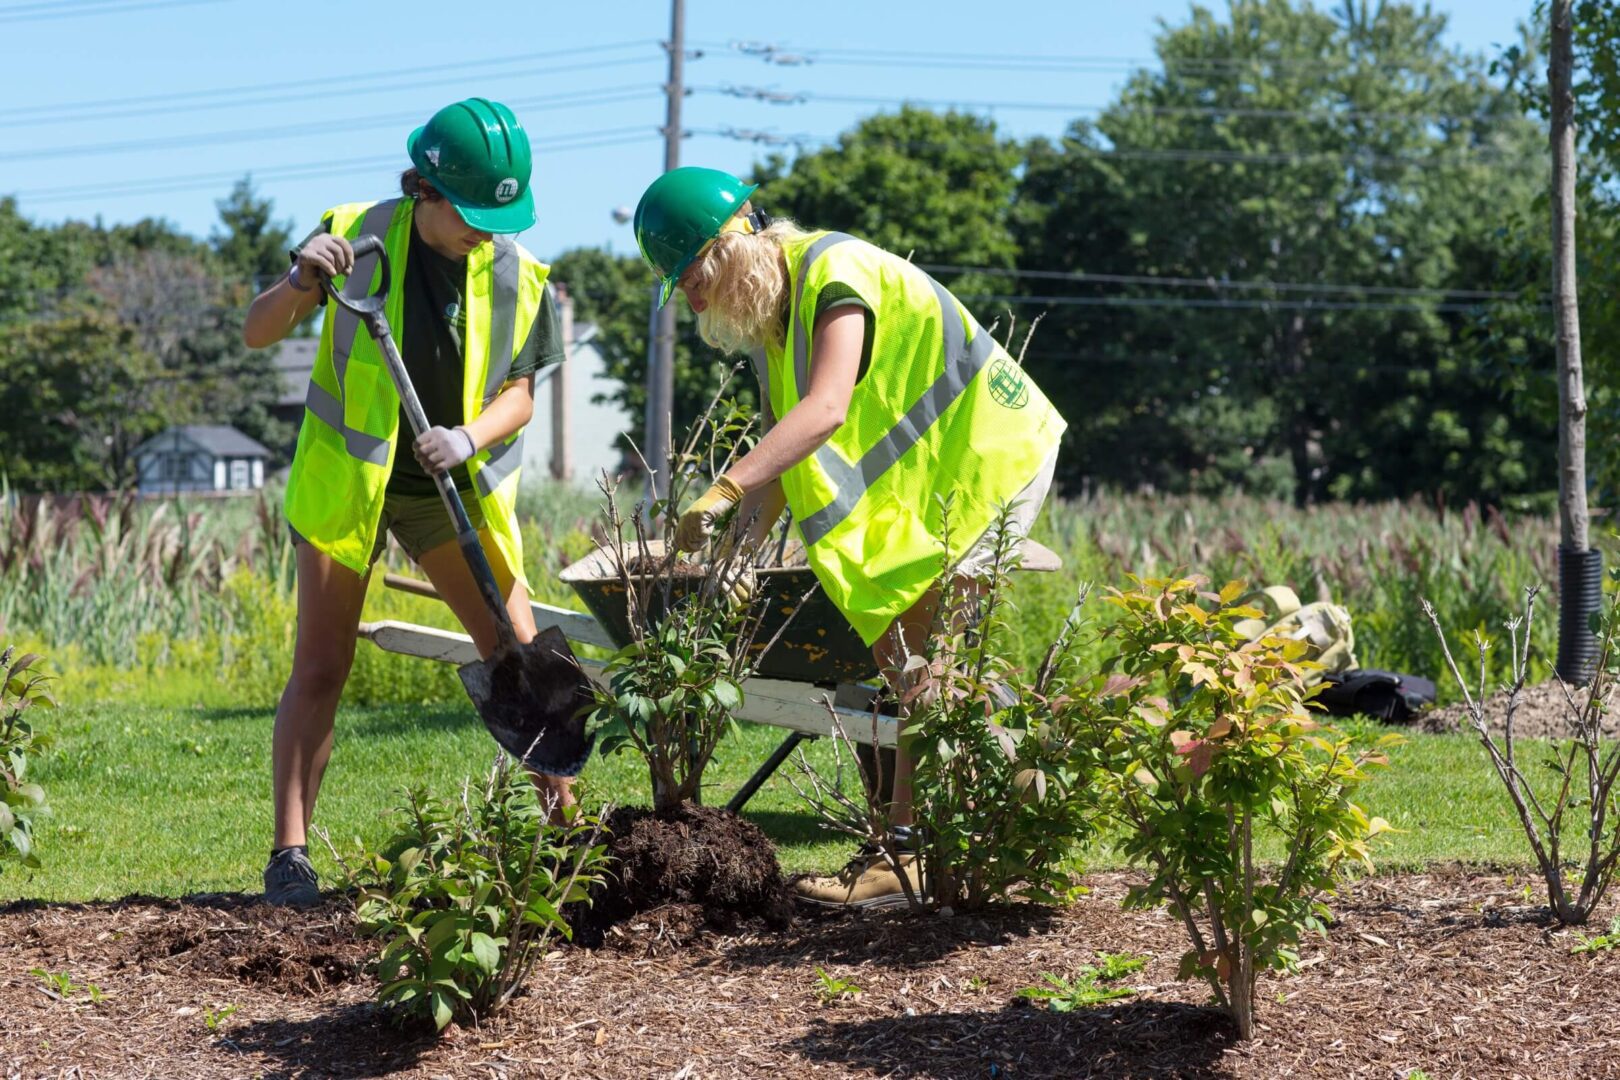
(830,989)
(22,802)
(1000,796)
(1092,985)
(672,690)
(1582,808)
(214,1019)
(1599,942)
(1206,745)
(467,895)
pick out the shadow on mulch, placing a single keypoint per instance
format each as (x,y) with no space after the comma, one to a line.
(1142,1038)
(356,1040)
(898,939)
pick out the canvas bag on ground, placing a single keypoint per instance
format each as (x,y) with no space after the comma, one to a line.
(1323,626)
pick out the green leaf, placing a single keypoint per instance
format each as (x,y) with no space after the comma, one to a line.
(440,1006)
(486,952)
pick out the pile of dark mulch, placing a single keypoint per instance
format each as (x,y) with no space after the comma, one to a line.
(1543,712)
(1449,972)
(703,859)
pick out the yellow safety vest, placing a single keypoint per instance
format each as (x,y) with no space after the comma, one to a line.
(942,411)
(347,441)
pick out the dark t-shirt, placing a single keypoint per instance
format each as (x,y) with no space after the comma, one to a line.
(430,345)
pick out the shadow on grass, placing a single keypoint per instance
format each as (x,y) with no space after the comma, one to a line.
(890,939)
(792,827)
(1141,1038)
(358,1040)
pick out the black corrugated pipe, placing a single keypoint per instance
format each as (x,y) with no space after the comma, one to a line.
(1580,597)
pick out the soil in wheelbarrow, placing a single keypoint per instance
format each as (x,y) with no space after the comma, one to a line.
(703,866)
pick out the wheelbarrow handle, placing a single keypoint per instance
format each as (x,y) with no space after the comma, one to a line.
(372,303)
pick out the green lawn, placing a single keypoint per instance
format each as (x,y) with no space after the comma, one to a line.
(170,801)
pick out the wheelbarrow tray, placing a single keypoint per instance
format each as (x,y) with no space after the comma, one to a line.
(818,646)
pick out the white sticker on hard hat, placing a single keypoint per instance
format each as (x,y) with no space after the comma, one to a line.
(506,190)
(433,156)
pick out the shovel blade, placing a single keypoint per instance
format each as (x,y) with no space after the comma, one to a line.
(533,699)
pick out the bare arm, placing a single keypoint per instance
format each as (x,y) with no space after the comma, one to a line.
(835,363)
(278,309)
(512,408)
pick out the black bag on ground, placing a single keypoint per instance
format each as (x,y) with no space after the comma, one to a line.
(1383,695)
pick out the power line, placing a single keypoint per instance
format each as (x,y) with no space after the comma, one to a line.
(1230,157)
(399,83)
(776,54)
(1216,302)
(1213,283)
(573,100)
(347,82)
(66,9)
(588,140)
(778,97)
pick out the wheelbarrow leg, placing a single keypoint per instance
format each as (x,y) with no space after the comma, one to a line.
(763,773)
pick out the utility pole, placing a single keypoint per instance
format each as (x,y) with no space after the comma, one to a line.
(661,369)
(562,436)
(1580,568)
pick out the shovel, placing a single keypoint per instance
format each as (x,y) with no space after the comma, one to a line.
(531,696)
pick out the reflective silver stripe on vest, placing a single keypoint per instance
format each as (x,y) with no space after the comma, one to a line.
(502,316)
(962,362)
(504,459)
(329,410)
(346,323)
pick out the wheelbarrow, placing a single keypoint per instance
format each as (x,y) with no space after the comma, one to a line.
(817,679)
(816,645)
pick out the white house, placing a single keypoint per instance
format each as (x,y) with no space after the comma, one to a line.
(200,458)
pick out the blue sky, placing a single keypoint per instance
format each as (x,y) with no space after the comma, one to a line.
(123,109)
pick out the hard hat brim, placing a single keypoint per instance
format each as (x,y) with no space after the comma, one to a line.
(514,217)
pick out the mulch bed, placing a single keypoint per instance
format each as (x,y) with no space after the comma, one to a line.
(1543,712)
(1448,972)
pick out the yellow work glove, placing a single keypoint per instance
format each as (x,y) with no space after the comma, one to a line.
(737,583)
(692,532)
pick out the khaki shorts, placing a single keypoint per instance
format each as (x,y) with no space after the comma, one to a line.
(419,522)
(981,557)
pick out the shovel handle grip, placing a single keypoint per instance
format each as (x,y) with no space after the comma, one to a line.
(365,245)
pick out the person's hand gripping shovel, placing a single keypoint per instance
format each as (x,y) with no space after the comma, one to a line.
(532,696)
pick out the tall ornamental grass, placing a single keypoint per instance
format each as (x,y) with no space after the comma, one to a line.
(192,600)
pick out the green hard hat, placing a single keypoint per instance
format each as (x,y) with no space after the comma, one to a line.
(679,213)
(477,155)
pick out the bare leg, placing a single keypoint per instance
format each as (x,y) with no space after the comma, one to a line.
(330,597)
(447,568)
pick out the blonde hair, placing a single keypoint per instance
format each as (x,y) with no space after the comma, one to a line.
(743,280)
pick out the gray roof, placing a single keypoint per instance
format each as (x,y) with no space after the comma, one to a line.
(221,440)
(294,359)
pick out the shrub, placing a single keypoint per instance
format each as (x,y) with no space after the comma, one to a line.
(672,690)
(467,896)
(1000,795)
(1584,807)
(22,687)
(1205,743)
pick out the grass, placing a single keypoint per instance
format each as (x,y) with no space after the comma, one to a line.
(172,801)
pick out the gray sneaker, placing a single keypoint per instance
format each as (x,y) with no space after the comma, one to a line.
(290,879)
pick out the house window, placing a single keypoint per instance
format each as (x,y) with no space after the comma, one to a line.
(239,475)
(176,467)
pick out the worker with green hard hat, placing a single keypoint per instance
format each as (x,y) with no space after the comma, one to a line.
(474,320)
(885,401)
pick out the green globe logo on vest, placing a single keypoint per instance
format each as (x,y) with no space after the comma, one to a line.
(1008,387)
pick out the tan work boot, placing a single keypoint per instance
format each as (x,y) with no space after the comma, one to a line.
(866,882)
